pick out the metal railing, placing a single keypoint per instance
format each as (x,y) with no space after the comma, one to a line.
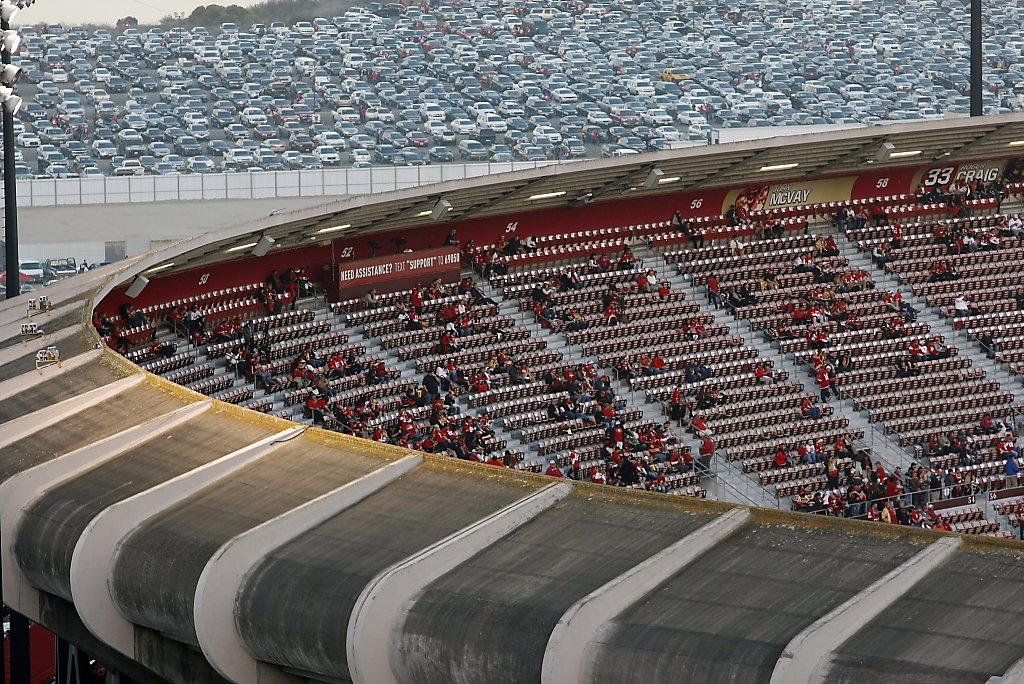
(47,192)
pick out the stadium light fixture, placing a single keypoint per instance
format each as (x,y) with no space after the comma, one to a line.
(240,248)
(12,103)
(653,178)
(9,74)
(669,179)
(263,246)
(333,229)
(10,42)
(442,207)
(545,195)
(779,167)
(1015,143)
(8,9)
(904,154)
(161,267)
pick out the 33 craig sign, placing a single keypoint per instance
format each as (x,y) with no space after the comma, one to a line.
(397,272)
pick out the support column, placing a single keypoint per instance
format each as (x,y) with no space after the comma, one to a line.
(21,651)
(72,664)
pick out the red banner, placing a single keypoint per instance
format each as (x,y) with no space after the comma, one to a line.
(397,271)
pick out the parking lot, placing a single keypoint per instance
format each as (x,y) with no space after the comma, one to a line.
(389,84)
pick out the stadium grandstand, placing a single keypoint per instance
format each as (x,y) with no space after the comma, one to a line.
(747,412)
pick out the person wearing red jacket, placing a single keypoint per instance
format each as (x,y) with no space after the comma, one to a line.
(825,384)
(553,470)
(316,404)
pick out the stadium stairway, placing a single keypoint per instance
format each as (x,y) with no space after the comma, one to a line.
(881,447)
(716,488)
(939,325)
(936,323)
(733,484)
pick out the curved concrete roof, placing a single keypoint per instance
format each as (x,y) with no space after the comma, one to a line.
(184,540)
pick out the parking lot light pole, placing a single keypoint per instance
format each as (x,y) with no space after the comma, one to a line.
(976,46)
(10,107)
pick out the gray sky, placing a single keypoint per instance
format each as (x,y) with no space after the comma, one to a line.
(109,11)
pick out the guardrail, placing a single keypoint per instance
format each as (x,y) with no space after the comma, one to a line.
(46,192)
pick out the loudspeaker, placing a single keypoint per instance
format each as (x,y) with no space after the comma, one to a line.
(884,151)
(137,286)
(263,246)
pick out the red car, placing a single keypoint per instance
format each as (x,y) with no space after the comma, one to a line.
(418,138)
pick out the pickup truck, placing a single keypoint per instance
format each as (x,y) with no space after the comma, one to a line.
(60,268)
(130,167)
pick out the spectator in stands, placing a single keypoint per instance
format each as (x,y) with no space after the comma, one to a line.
(736,246)
(699,426)
(962,307)
(379,372)
(1010,468)
(878,214)
(781,457)
(706,452)
(451,239)
(894,302)
(316,405)
(732,216)
(989,344)
(936,350)
(772,231)
(695,372)
(764,373)
(370,300)
(827,384)
(302,375)
(904,369)
(882,254)
(714,291)
(844,364)
(808,409)
(626,260)
(767,282)
(569,279)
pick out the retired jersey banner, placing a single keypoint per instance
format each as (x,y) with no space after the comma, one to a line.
(961,173)
(784,195)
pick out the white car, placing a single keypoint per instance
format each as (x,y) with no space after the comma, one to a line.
(253,116)
(599,118)
(361,156)
(104,149)
(349,114)
(433,112)
(27,139)
(547,133)
(670,133)
(327,155)
(656,117)
(433,128)
(380,114)
(511,108)
(564,95)
(463,127)
(59,76)
(240,156)
(331,138)
(492,121)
